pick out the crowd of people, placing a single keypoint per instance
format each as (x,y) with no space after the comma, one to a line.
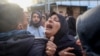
(48,35)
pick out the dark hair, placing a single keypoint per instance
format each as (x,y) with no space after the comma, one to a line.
(10,16)
(31,21)
(63,29)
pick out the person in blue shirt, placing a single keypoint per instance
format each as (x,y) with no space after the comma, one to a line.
(35,26)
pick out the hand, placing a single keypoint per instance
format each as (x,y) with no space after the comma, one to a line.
(78,42)
(66,52)
(51,47)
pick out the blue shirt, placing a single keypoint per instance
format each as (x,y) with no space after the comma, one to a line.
(37,32)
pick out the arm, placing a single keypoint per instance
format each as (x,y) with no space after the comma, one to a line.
(38,48)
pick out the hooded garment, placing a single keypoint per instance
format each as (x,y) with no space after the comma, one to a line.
(21,43)
(72,25)
(36,29)
(88,29)
(15,43)
(36,24)
(63,40)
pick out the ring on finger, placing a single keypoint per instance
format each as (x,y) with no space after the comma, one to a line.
(49,48)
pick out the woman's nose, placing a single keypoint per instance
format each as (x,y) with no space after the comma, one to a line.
(50,20)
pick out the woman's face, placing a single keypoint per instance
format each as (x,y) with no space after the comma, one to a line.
(43,19)
(35,18)
(52,26)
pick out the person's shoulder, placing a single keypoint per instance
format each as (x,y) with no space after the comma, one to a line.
(31,28)
(16,35)
(41,27)
(22,34)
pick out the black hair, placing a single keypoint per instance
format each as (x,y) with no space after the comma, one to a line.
(10,16)
(36,24)
(63,29)
(88,30)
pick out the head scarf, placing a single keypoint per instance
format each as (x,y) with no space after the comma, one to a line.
(62,39)
(88,29)
(36,24)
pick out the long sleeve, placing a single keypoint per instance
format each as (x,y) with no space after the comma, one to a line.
(38,48)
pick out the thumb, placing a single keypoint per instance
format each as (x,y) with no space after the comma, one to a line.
(51,38)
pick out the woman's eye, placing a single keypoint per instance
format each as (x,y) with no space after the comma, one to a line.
(37,16)
(34,16)
(56,19)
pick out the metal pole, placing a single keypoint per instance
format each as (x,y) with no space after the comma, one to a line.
(48,6)
(45,5)
(57,8)
(97,2)
(88,2)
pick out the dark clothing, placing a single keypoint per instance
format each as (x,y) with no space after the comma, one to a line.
(63,40)
(39,46)
(20,43)
(88,28)
(72,25)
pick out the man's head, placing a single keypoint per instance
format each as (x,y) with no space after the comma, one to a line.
(88,28)
(11,16)
(36,18)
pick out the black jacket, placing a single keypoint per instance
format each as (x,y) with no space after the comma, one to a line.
(38,48)
(72,25)
(63,40)
(21,43)
(88,28)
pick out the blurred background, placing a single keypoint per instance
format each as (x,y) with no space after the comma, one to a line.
(72,7)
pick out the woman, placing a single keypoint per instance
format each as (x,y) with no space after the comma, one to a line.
(43,20)
(57,26)
(72,25)
(35,26)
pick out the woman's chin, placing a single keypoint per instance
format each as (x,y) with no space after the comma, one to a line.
(48,34)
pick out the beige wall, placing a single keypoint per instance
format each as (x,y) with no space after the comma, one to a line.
(76,10)
(60,8)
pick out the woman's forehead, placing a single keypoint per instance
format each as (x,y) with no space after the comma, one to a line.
(35,14)
(54,16)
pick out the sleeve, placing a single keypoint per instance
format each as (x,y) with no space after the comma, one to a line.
(69,42)
(38,48)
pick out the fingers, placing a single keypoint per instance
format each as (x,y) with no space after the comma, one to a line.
(50,51)
(68,54)
(51,47)
(69,49)
(51,44)
(51,38)
(78,42)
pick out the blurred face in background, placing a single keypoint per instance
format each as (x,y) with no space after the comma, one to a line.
(52,26)
(43,20)
(35,18)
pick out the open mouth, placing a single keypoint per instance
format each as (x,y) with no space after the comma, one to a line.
(49,27)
